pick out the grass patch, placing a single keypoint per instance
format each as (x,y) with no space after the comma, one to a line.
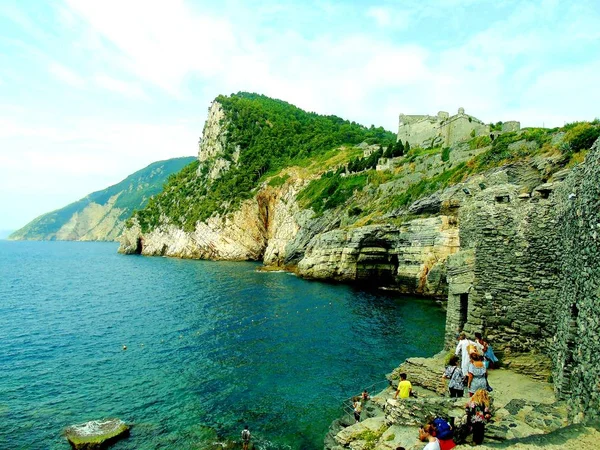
(278,180)
(330,191)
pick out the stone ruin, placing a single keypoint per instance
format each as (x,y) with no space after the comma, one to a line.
(444,130)
(528,277)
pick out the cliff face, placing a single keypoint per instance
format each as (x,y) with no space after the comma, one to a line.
(101,216)
(258,230)
(411,257)
(351,214)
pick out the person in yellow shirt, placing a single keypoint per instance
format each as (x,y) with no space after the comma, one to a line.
(404,387)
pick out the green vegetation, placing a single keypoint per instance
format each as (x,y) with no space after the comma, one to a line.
(278,180)
(330,191)
(270,135)
(581,135)
(428,186)
(446,154)
(133,192)
(370,437)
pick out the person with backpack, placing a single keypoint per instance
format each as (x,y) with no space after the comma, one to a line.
(453,372)
(246,436)
(444,433)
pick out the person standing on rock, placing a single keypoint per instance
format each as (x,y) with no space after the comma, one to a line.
(462,350)
(404,387)
(357,408)
(477,374)
(453,372)
(246,436)
(478,413)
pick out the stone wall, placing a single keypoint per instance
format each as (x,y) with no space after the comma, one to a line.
(577,346)
(528,277)
(432,131)
(504,282)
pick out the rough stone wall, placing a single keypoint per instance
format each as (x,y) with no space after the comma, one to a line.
(505,281)
(577,347)
(459,128)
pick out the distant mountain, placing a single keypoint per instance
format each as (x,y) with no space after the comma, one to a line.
(5,233)
(100,216)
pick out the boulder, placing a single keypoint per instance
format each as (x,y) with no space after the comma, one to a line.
(96,434)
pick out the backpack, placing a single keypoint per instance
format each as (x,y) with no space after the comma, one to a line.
(443,428)
(245,435)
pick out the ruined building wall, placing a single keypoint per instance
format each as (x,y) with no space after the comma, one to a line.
(577,346)
(504,281)
(528,277)
(431,131)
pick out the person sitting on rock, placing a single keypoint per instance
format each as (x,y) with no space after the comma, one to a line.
(404,387)
(365,396)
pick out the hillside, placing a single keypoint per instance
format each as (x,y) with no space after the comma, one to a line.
(331,199)
(100,216)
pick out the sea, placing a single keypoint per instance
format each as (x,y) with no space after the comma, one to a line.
(187,351)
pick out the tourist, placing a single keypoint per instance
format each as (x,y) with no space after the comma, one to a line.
(246,436)
(489,358)
(453,372)
(478,413)
(365,396)
(427,434)
(477,374)
(357,408)
(404,387)
(462,350)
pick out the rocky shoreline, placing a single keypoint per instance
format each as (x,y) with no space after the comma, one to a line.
(524,408)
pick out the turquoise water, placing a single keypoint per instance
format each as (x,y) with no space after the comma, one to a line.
(211,346)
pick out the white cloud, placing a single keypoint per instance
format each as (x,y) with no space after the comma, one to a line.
(124,88)
(381,15)
(163,44)
(66,75)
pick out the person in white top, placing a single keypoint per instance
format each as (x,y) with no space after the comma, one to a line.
(462,350)
(426,435)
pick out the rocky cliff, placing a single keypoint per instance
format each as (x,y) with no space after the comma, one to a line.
(345,213)
(101,215)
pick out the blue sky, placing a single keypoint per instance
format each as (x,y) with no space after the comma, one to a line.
(91,91)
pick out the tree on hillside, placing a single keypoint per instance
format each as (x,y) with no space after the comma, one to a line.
(399,148)
(389,151)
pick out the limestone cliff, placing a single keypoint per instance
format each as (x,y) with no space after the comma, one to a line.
(348,212)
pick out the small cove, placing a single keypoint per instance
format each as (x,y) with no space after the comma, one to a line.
(210,346)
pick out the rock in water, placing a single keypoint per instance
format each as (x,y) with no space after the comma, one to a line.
(96,434)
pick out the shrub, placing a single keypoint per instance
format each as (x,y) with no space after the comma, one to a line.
(582,136)
(446,154)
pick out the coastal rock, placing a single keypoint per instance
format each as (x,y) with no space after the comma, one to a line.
(411,256)
(96,434)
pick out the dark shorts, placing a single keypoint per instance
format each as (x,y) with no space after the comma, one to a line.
(455,393)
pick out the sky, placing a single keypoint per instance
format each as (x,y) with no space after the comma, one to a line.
(91,91)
